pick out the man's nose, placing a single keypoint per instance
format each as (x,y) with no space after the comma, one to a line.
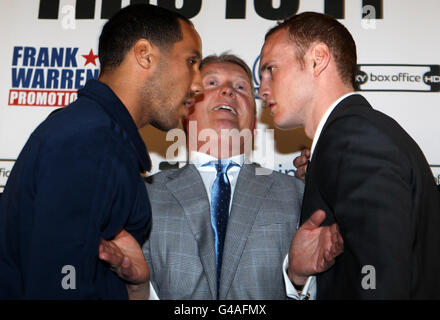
(197,86)
(227,90)
(263,92)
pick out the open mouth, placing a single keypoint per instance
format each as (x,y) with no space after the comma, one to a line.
(227,108)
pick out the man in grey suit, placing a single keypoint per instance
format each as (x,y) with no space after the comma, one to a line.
(264,210)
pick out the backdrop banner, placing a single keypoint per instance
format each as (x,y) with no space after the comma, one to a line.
(49,51)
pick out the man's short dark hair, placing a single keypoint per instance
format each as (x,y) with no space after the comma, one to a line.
(139,21)
(309,27)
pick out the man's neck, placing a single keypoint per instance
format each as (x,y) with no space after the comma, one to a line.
(321,105)
(125,92)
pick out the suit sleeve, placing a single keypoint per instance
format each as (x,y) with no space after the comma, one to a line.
(146,248)
(82,194)
(366,181)
(154,290)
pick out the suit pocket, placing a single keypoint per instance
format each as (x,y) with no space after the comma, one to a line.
(270,218)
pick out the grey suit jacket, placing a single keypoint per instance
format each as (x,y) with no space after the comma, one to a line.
(180,248)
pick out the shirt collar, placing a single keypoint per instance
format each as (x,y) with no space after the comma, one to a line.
(324,120)
(200,158)
(110,103)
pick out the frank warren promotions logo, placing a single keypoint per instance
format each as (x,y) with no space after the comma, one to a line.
(385,77)
(49,77)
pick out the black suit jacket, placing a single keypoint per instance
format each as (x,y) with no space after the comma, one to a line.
(372,179)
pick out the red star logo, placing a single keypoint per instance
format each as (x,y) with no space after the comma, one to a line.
(90,58)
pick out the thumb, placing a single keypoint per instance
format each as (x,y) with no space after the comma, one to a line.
(315,220)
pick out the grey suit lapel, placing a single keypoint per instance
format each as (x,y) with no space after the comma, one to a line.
(187,187)
(248,197)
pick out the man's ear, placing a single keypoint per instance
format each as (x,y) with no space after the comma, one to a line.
(320,58)
(146,53)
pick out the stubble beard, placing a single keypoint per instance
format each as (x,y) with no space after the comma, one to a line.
(156,95)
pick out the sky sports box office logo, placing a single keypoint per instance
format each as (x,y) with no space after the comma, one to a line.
(5,169)
(49,77)
(394,77)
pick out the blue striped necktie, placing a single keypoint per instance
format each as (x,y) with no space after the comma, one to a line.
(220,200)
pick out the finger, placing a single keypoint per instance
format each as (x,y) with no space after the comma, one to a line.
(327,243)
(339,242)
(299,161)
(323,263)
(105,255)
(337,234)
(331,243)
(334,231)
(126,268)
(328,260)
(300,174)
(334,239)
(101,253)
(300,167)
(327,256)
(305,153)
(111,254)
(337,250)
(334,242)
(104,250)
(314,221)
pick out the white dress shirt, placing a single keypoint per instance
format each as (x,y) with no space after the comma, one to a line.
(324,120)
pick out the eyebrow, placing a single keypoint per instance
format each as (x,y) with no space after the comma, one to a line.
(197,54)
(263,67)
(217,73)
